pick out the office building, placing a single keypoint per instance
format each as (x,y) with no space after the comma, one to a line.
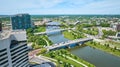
(21,21)
(13,49)
(0,26)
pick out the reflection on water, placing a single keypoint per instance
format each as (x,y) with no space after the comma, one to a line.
(97,57)
(55,37)
(94,56)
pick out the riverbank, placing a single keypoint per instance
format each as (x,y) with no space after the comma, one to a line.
(65,58)
(71,35)
(105,48)
(113,43)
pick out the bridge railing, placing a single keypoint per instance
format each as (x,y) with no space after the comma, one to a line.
(51,31)
(68,43)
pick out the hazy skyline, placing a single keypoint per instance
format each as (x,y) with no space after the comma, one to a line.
(60,6)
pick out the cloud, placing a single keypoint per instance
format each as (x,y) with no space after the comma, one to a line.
(105,7)
(24,4)
(60,6)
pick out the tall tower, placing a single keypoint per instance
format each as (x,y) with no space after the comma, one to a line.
(21,21)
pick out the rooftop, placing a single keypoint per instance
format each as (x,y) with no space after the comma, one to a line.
(7,33)
(4,34)
(20,14)
(13,44)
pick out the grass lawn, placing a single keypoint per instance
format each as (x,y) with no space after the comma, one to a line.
(63,60)
(40,29)
(105,48)
(69,35)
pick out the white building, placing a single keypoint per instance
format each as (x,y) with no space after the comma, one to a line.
(115,26)
(117,37)
(13,49)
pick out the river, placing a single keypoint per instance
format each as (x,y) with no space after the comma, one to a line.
(55,37)
(97,57)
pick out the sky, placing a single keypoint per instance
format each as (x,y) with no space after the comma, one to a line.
(9,7)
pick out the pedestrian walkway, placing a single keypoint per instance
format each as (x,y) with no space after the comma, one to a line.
(76,61)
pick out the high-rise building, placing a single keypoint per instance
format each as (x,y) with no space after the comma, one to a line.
(13,49)
(21,21)
(0,25)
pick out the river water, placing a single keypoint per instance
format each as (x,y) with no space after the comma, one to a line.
(97,57)
(55,37)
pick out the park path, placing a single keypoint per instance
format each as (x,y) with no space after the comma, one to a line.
(47,42)
(76,61)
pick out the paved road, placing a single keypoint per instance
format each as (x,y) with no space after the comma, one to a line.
(42,60)
(48,58)
(37,60)
(67,43)
(33,53)
(47,42)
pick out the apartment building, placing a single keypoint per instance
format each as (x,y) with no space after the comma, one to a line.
(13,49)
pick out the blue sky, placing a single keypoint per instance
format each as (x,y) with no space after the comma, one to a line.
(60,6)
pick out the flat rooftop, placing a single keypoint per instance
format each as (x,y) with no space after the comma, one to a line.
(5,34)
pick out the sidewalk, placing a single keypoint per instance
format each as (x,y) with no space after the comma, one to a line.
(76,61)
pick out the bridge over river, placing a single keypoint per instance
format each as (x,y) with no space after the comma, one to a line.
(57,30)
(67,43)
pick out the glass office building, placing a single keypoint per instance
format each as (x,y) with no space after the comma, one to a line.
(21,21)
(0,24)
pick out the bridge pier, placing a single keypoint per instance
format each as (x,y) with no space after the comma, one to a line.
(79,44)
(68,47)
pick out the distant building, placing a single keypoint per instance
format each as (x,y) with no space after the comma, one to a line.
(115,26)
(117,37)
(118,34)
(118,27)
(13,49)
(21,21)
(0,26)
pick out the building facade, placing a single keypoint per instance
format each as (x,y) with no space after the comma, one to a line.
(115,26)
(118,27)
(0,25)
(21,21)
(14,50)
